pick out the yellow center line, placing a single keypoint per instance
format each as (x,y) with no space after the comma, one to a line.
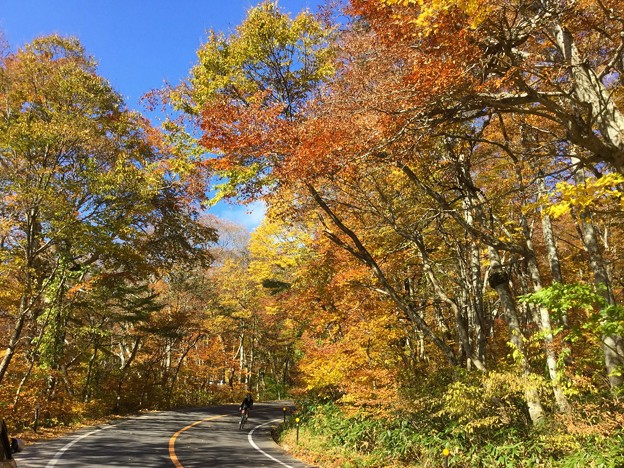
(172,454)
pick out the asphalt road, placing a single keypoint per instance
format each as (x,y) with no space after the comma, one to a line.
(187,438)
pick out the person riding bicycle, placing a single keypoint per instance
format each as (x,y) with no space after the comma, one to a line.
(247,404)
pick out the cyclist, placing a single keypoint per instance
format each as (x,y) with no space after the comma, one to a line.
(247,404)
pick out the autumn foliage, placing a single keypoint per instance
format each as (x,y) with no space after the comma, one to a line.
(454,170)
(441,260)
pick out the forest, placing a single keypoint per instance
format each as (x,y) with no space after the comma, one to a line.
(440,266)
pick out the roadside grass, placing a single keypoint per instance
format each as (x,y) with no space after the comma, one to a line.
(331,438)
(318,450)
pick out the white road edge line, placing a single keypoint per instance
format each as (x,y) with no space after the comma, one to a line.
(253,444)
(59,454)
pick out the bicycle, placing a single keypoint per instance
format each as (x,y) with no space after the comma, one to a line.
(243,419)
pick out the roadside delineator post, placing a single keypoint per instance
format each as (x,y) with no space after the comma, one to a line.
(297,421)
(284,410)
(446,454)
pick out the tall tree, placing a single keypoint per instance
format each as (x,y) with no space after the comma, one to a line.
(85,193)
(561,61)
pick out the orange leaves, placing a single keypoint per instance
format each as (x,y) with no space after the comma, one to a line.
(319,150)
(248,89)
(84,286)
(250,141)
(397,20)
(252,131)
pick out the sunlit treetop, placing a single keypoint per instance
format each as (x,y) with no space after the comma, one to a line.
(427,10)
(408,18)
(270,56)
(248,86)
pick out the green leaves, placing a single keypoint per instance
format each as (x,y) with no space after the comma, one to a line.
(269,53)
(89,214)
(560,298)
(602,318)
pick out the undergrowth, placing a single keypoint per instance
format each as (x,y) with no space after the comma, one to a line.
(480,423)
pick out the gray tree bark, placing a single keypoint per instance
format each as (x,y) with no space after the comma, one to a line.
(500,282)
(590,91)
(612,345)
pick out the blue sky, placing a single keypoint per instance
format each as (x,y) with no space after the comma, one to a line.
(138,44)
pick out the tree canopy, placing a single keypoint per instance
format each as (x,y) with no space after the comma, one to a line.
(443,181)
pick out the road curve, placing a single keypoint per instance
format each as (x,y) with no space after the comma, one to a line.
(182,439)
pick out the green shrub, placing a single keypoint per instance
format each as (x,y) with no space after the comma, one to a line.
(407,438)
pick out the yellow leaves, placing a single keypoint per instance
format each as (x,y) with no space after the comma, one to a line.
(559,209)
(276,249)
(352,354)
(6,225)
(272,310)
(322,372)
(428,11)
(488,403)
(595,192)
(268,47)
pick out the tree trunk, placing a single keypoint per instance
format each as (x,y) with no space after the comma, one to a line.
(124,371)
(500,282)
(28,297)
(591,92)
(22,383)
(542,319)
(241,358)
(174,377)
(460,320)
(612,345)
(552,252)
(478,322)
(86,391)
(359,251)
(24,308)
(549,348)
